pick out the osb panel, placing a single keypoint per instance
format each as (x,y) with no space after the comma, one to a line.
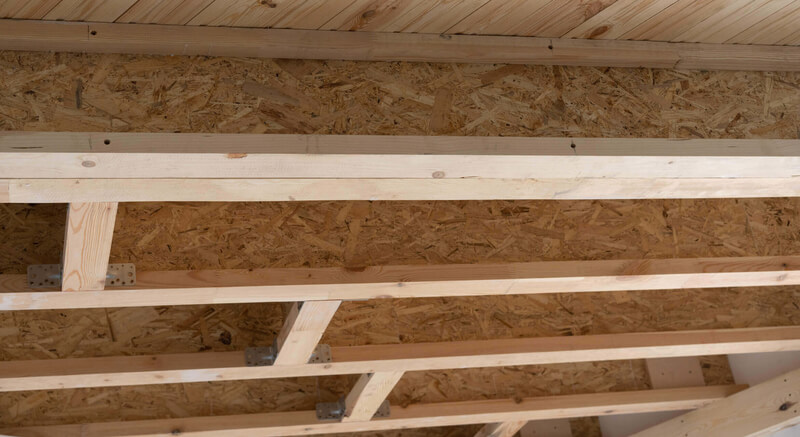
(138,93)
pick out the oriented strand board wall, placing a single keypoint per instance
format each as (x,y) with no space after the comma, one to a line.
(138,93)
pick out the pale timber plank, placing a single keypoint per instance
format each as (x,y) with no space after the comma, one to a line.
(87,245)
(290,284)
(502,429)
(369,392)
(758,411)
(302,329)
(413,416)
(224,366)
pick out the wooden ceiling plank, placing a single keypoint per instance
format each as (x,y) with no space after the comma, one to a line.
(720,28)
(771,29)
(426,16)
(758,411)
(103,11)
(618,19)
(412,416)
(501,429)
(311,14)
(304,326)
(289,285)
(87,246)
(676,19)
(26,9)
(559,17)
(443,16)
(244,13)
(163,12)
(383,46)
(497,17)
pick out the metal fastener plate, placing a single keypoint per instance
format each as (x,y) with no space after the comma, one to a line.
(259,356)
(49,275)
(44,276)
(121,275)
(322,354)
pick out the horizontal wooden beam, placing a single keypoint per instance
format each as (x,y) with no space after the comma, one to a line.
(413,416)
(293,284)
(94,167)
(761,410)
(223,366)
(374,46)
(290,190)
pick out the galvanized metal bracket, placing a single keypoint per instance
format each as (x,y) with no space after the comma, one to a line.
(336,410)
(259,356)
(49,275)
(265,355)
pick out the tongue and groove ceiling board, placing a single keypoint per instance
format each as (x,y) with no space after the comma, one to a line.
(769,22)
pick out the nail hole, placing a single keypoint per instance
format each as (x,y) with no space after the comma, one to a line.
(106,142)
(94,32)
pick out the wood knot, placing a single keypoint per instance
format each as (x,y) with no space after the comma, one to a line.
(88,164)
(786,405)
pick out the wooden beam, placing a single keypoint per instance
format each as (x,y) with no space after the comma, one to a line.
(412,416)
(291,284)
(87,245)
(760,410)
(302,329)
(224,167)
(501,429)
(290,190)
(223,366)
(368,394)
(373,46)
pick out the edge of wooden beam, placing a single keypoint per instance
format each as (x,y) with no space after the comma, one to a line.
(373,46)
(223,366)
(412,416)
(289,285)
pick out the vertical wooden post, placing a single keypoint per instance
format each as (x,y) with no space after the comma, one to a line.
(87,245)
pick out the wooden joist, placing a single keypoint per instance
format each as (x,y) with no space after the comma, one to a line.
(760,410)
(108,167)
(221,366)
(412,416)
(304,325)
(373,46)
(87,245)
(314,284)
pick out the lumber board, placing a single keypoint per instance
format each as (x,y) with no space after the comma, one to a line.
(89,167)
(366,396)
(290,190)
(157,39)
(63,155)
(501,429)
(87,245)
(302,329)
(760,410)
(304,284)
(412,416)
(65,373)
